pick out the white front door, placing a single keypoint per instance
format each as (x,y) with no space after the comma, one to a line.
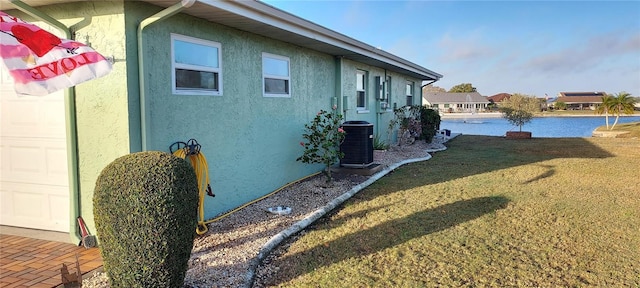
(34,183)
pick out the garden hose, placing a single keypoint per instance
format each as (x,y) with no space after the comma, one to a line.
(191,152)
(202,169)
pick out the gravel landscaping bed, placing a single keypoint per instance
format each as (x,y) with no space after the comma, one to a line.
(224,255)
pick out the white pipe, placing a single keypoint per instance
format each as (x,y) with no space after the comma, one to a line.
(164,14)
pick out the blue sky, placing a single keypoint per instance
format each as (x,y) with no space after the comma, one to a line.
(524,47)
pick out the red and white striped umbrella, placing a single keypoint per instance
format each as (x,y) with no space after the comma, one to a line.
(41,63)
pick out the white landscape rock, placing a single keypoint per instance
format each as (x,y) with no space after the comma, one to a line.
(229,253)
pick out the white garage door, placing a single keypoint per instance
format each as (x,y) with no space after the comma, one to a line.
(34,185)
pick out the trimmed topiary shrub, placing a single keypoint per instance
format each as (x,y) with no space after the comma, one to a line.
(145,208)
(430,120)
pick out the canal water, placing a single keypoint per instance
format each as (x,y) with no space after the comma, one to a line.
(539,127)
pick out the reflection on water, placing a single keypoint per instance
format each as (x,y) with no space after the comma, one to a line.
(539,127)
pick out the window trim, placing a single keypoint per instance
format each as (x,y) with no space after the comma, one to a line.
(364,89)
(387,88)
(175,66)
(409,86)
(278,77)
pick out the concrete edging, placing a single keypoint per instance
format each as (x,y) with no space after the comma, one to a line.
(608,134)
(274,241)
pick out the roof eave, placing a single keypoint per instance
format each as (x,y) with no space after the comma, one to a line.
(259,18)
(262,19)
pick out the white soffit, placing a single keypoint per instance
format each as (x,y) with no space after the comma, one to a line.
(262,19)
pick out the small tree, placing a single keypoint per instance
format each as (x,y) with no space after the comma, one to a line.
(560,105)
(517,117)
(527,103)
(323,136)
(519,109)
(463,88)
(605,107)
(621,103)
(431,89)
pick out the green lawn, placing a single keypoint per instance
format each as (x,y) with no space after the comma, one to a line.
(633,128)
(488,211)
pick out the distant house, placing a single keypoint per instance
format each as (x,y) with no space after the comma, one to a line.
(580,100)
(455,102)
(498,97)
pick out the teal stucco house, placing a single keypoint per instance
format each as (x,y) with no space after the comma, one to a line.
(242,78)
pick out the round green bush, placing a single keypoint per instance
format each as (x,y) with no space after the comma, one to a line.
(430,120)
(145,209)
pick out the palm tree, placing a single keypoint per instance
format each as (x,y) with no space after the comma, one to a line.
(605,107)
(622,103)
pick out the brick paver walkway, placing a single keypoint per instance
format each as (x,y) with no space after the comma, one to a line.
(28,262)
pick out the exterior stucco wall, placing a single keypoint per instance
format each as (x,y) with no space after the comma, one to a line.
(379,118)
(250,141)
(101,104)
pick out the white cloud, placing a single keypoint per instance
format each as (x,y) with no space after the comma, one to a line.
(467,48)
(539,64)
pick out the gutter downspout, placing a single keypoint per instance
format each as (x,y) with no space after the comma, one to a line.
(340,99)
(379,111)
(422,87)
(70,124)
(166,13)
(338,88)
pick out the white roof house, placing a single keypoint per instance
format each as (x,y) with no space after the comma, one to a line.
(455,102)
